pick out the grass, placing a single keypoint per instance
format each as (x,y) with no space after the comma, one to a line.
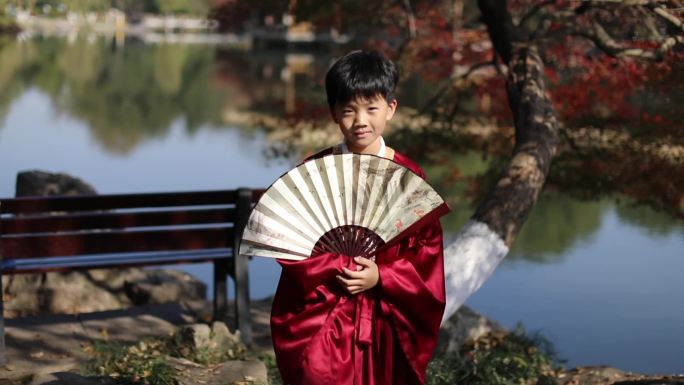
(142,363)
(517,358)
(272,369)
(146,363)
(510,359)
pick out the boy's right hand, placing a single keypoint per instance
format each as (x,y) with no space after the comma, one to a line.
(364,278)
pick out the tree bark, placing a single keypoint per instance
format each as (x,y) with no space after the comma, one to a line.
(485,239)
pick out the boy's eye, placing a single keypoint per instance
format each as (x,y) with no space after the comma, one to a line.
(372,108)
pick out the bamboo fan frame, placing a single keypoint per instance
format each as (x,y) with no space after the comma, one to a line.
(351,204)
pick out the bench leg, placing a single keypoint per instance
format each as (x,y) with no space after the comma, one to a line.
(220,289)
(240,271)
(3,358)
(242,305)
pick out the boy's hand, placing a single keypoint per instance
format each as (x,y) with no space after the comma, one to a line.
(364,278)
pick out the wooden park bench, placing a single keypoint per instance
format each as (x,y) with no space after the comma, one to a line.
(63,233)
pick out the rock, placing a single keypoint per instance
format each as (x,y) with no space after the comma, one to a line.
(224,343)
(161,286)
(464,326)
(606,375)
(229,372)
(214,345)
(42,183)
(52,292)
(194,337)
(58,293)
(95,290)
(221,336)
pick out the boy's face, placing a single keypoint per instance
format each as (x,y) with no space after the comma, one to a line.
(362,122)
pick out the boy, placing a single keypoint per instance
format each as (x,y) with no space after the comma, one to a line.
(343,320)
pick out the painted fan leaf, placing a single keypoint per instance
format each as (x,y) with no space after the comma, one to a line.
(350,204)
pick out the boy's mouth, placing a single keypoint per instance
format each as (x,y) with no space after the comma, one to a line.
(361,134)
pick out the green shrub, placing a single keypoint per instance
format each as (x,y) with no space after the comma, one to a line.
(515,358)
(272,368)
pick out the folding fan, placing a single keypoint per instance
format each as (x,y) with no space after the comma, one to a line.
(350,204)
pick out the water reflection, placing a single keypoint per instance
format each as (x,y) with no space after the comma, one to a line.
(124,95)
(556,225)
(655,223)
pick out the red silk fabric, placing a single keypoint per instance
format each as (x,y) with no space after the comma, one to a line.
(386,335)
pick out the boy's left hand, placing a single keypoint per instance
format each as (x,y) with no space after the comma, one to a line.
(365,278)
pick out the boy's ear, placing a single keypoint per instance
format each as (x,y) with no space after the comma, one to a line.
(392,104)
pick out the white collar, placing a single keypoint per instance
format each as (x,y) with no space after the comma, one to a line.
(381,152)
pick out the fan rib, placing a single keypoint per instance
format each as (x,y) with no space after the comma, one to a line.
(293,180)
(284,215)
(384,206)
(315,170)
(361,196)
(378,171)
(347,174)
(369,191)
(394,222)
(277,249)
(310,194)
(335,194)
(278,231)
(273,242)
(282,188)
(265,251)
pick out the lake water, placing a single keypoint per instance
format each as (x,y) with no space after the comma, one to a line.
(600,279)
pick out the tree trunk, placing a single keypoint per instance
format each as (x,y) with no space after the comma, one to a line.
(485,239)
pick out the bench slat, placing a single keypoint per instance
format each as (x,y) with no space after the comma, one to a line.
(32,205)
(113,260)
(113,220)
(20,247)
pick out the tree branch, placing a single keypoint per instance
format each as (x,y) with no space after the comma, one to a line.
(663,13)
(411,19)
(605,42)
(446,84)
(528,16)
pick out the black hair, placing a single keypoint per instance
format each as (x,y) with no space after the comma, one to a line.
(363,74)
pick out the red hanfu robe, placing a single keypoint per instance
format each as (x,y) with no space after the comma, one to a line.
(386,335)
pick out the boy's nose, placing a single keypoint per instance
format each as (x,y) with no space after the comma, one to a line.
(361,120)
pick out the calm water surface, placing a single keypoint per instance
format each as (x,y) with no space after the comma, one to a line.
(602,280)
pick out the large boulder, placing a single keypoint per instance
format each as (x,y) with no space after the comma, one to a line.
(96,290)
(466,325)
(161,286)
(57,293)
(43,183)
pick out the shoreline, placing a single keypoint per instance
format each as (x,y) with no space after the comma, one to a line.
(43,344)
